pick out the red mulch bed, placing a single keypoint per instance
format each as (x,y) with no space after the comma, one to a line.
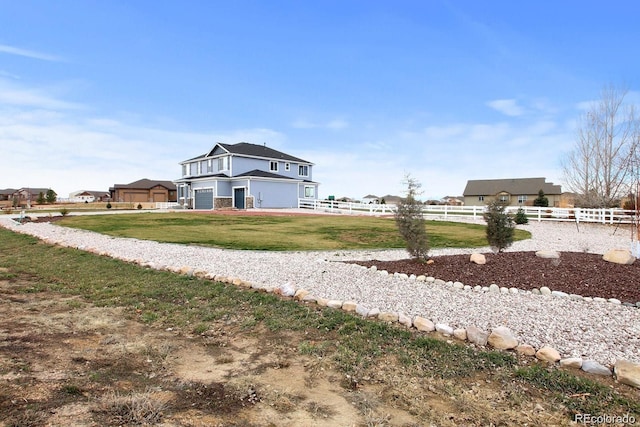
(574,273)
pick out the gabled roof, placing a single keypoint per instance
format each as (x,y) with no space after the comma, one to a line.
(8,191)
(486,187)
(90,192)
(251,150)
(147,184)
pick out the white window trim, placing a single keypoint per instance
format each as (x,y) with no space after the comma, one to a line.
(311,187)
(287,166)
(302,168)
(273,163)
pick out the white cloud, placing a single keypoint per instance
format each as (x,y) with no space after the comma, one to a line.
(507,107)
(12,50)
(334,124)
(16,95)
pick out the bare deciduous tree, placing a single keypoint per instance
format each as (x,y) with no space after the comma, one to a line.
(599,168)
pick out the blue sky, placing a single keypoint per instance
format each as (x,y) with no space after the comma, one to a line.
(96,93)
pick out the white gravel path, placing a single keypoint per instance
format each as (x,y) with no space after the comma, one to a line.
(599,331)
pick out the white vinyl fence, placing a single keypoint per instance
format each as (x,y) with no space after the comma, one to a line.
(603,216)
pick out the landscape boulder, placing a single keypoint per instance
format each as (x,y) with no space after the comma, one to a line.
(548,254)
(477,336)
(619,256)
(627,373)
(502,338)
(548,354)
(477,258)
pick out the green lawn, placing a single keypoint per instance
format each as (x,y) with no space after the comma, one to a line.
(294,233)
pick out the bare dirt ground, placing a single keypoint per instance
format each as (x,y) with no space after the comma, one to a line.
(66,362)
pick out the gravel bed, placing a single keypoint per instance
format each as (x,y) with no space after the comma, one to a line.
(599,331)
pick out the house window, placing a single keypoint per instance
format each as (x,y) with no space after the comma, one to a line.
(273,166)
(504,198)
(209,166)
(199,168)
(223,163)
(184,170)
(522,199)
(309,191)
(287,167)
(303,170)
(481,198)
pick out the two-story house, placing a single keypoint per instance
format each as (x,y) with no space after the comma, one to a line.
(245,176)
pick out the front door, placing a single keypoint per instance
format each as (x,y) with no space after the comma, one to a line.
(238,198)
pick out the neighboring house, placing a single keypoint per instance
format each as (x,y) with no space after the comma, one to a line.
(513,192)
(7,194)
(245,176)
(28,196)
(390,199)
(144,190)
(88,196)
(370,198)
(452,200)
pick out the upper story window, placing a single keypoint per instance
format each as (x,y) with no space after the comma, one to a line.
(287,167)
(184,170)
(303,170)
(223,163)
(199,168)
(481,198)
(209,166)
(273,166)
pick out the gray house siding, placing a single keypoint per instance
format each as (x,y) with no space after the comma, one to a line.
(272,194)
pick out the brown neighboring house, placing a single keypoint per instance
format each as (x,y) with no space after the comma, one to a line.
(144,190)
(513,192)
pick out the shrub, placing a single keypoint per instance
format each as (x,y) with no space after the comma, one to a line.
(541,200)
(108,205)
(139,206)
(500,226)
(521,217)
(64,211)
(410,221)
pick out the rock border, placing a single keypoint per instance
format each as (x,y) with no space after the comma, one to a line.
(500,337)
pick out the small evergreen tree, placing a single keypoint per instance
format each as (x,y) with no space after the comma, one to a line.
(51,196)
(108,205)
(41,200)
(500,226)
(410,221)
(541,200)
(521,217)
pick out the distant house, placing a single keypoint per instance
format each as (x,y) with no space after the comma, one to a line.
(7,194)
(452,200)
(370,198)
(144,190)
(245,176)
(513,192)
(390,199)
(88,196)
